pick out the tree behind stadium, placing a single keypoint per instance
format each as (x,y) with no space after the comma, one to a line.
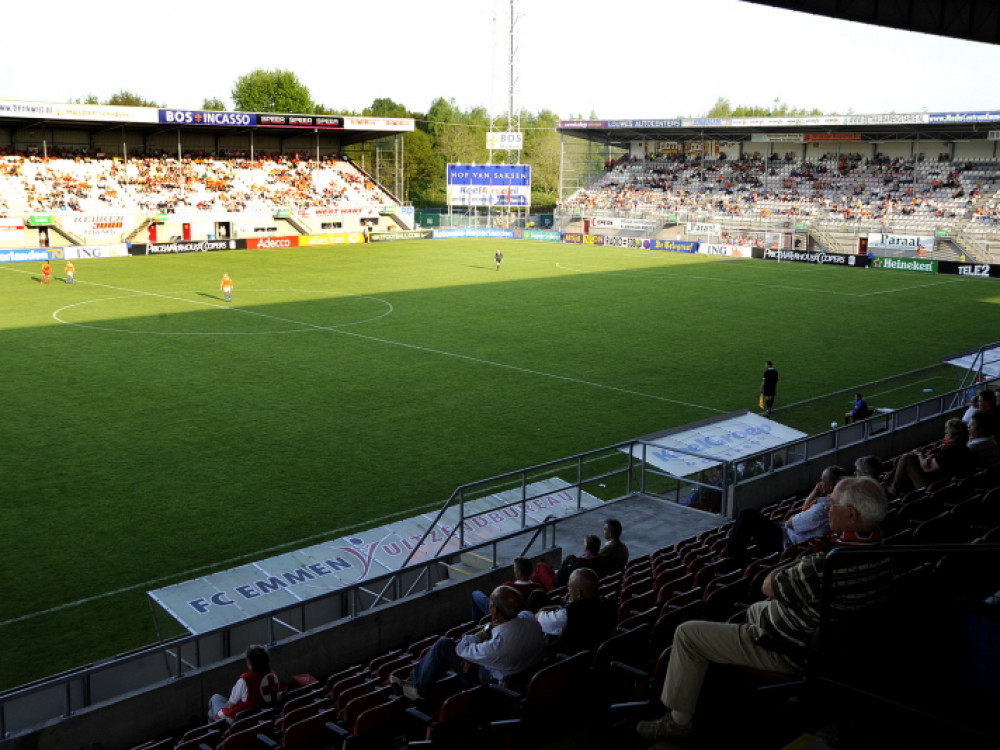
(271,91)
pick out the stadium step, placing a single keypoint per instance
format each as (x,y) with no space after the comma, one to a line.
(468,564)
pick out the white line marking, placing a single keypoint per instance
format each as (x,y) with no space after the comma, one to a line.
(855,388)
(956,280)
(303,327)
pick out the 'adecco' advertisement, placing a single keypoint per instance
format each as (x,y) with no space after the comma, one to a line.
(272,243)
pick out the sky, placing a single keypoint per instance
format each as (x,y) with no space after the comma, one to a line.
(625,59)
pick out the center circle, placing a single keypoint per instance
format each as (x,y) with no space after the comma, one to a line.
(189,313)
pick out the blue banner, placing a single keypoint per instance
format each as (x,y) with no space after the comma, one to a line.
(488,185)
(446,232)
(30,254)
(676,246)
(965,117)
(518,175)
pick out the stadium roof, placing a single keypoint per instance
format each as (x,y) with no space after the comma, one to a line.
(974,20)
(943,126)
(19,115)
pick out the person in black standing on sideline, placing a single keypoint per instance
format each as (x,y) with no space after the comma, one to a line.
(769,386)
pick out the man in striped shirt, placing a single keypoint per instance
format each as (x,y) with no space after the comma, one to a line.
(790,614)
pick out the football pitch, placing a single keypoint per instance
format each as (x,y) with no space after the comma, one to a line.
(153,432)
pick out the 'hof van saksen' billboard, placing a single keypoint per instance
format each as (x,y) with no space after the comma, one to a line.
(476,185)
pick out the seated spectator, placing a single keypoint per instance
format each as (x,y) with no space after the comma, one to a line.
(972,408)
(707,495)
(859,412)
(584,622)
(788,616)
(810,522)
(522,583)
(982,444)
(511,642)
(951,458)
(614,553)
(543,575)
(868,466)
(988,404)
(589,558)
(257,687)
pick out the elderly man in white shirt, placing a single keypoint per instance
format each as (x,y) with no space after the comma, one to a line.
(810,522)
(511,642)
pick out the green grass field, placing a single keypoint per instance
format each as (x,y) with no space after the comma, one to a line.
(152,432)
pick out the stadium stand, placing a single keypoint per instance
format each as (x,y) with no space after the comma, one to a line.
(98,183)
(836,192)
(943,541)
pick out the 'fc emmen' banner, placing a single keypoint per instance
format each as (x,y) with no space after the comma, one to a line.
(489,185)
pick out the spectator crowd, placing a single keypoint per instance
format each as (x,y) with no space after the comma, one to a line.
(96,182)
(845,189)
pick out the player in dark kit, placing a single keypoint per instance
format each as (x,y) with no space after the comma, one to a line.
(769,386)
(498,258)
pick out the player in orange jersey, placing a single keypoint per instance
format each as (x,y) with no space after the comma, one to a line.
(70,272)
(227,287)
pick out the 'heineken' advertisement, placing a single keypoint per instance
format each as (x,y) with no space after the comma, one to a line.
(905,264)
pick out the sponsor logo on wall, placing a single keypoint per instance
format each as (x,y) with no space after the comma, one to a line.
(797,256)
(905,264)
(202,246)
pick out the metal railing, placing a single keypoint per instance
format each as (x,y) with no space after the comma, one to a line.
(609,473)
(588,470)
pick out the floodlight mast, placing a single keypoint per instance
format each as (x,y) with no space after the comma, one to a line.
(513,155)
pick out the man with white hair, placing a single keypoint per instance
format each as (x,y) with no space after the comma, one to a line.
(788,616)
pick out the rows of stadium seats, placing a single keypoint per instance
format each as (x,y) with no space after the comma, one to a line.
(101,185)
(359,708)
(848,189)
